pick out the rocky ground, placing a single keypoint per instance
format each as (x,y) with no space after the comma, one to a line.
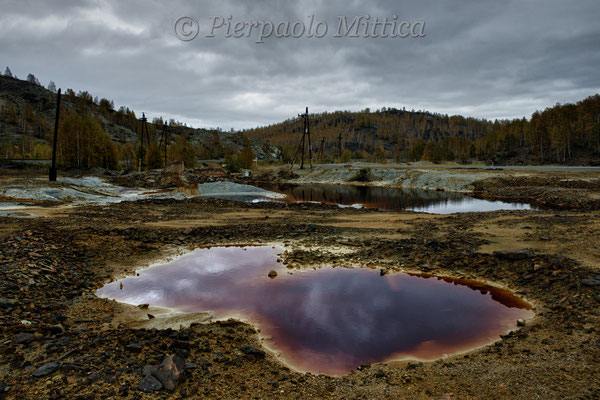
(57,340)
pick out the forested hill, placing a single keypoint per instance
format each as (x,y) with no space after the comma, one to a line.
(95,134)
(92,133)
(390,132)
(568,133)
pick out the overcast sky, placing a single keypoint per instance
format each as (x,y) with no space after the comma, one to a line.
(489,59)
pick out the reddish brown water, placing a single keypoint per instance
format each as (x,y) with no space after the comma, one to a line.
(328,320)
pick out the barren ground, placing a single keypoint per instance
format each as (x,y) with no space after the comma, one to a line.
(50,267)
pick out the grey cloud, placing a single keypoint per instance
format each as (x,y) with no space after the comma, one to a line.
(480,58)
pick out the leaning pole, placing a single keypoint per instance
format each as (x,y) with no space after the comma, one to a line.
(52,177)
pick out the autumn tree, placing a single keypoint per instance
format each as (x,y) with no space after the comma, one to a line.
(183,151)
(154,158)
(84,144)
(432,152)
(246,156)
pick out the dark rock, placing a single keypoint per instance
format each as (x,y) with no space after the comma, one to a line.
(3,387)
(7,302)
(590,282)
(46,369)
(81,329)
(94,377)
(362,367)
(272,274)
(134,347)
(514,255)
(253,351)
(380,374)
(170,371)
(23,338)
(70,367)
(63,340)
(150,370)
(191,365)
(150,384)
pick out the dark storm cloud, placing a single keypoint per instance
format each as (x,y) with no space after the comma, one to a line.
(480,58)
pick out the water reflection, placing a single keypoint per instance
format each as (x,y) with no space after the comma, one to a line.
(328,320)
(392,199)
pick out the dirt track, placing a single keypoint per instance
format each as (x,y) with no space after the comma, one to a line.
(51,266)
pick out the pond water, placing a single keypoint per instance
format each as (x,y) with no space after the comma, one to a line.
(328,320)
(392,199)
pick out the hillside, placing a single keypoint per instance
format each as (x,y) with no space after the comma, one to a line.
(27,113)
(94,133)
(390,132)
(563,134)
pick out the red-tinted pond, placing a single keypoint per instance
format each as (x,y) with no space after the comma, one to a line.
(329,320)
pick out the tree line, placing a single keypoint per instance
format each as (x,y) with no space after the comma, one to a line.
(95,134)
(555,135)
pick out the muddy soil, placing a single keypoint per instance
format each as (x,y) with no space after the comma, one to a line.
(57,340)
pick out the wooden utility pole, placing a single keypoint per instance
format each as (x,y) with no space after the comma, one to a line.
(164,140)
(144,127)
(302,144)
(52,175)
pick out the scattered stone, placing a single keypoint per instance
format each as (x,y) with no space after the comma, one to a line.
(81,329)
(3,387)
(150,384)
(46,369)
(134,347)
(514,255)
(191,365)
(380,374)
(143,306)
(590,282)
(149,370)
(7,302)
(170,371)
(94,377)
(23,338)
(362,367)
(272,274)
(521,322)
(253,351)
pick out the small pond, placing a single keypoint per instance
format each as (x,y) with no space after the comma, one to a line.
(328,320)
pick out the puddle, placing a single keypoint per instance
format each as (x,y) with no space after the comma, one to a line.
(329,320)
(428,201)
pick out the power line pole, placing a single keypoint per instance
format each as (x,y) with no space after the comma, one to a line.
(52,175)
(302,144)
(164,140)
(144,126)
